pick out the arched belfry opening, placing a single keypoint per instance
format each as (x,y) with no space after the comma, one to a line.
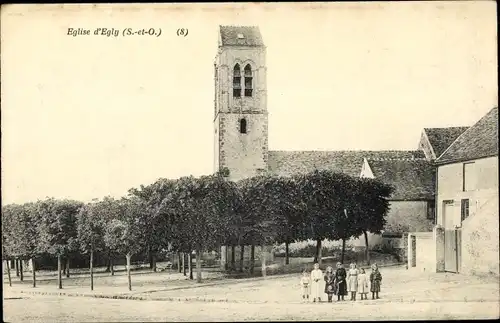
(243,126)
(237,81)
(248,81)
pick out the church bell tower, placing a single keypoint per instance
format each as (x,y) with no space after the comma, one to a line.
(240,115)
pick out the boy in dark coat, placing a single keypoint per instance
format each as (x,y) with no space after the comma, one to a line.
(375,281)
(340,282)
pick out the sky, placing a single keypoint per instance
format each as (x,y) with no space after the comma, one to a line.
(92,116)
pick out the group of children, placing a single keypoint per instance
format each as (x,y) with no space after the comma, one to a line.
(355,281)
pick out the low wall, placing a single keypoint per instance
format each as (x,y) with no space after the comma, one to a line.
(421,248)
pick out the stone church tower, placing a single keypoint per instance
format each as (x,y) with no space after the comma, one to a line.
(240,115)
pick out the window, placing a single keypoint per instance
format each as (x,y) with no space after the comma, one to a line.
(243,126)
(431,211)
(468,177)
(248,80)
(237,81)
(465,209)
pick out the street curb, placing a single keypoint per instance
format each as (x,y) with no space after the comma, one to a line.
(212,300)
(137,298)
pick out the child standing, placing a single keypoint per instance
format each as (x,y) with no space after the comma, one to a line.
(375,281)
(352,281)
(329,283)
(316,276)
(305,283)
(340,282)
(362,284)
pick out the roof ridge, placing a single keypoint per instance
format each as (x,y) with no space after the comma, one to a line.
(467,130)
(452,127)
(396,159)
(351,150)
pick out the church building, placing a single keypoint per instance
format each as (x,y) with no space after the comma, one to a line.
(241,137)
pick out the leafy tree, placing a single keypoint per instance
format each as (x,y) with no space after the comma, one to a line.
(124,234)
(57,229)
(100,212)
(90,231)
(269,207)
(370,208)
(324,198)
(199,212)
(153,224)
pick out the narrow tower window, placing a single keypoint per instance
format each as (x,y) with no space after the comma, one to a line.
(237,81)
(248,81)
(243,126)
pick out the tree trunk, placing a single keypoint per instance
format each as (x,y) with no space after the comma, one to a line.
(263,257)
(223,257)
(287,256)
(198,265)
(242,257)
(184,263)
(108,263)
(111,266)
(179,261)
(33,270)
(128,272)
(367,249)
(233,260)
(91,269)
(67,267)
(150,258)
(8,272)
(190,265)
(252,258)
(153,260)
(59,271)
(21,273)
(318,252)
(16,261)
(343,251)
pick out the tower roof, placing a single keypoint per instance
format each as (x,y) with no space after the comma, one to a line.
(240,36)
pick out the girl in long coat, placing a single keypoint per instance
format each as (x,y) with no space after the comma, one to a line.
(352,281)
(316,276)
(375,281)
(340,282)
(329,283)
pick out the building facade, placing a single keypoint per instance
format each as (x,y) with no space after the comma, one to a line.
(467,199)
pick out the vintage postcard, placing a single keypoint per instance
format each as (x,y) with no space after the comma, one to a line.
(250,161)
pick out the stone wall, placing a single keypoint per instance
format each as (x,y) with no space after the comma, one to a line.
(480,241)
(408,216)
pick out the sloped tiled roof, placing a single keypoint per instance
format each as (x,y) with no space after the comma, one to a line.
(286,163)
(251,36)
(411,179)
(442,138)
(479,141)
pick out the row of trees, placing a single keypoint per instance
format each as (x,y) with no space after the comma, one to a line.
(199,214)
